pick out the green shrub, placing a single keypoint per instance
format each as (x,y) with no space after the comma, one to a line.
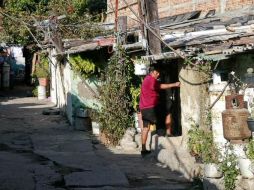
(202,146)
(115,99)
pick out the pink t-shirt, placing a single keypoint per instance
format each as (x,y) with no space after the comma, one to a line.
(149,96)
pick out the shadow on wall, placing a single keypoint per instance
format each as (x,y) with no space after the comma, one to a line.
(76,107)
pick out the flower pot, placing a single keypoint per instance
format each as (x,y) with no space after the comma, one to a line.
(245,166)
(140,69)
(212,171)
(251,124)
(43,81)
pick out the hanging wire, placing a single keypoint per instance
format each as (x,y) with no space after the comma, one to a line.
(179,53)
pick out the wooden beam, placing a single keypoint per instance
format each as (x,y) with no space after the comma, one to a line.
(152,18)
(122,30)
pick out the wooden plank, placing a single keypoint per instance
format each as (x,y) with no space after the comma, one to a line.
(151,14)
(122,30)
(213,52)
(82,48)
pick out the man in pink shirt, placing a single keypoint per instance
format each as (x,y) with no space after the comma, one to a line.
(149,99)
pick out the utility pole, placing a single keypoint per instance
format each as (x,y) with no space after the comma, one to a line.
(122,30)
(148,10)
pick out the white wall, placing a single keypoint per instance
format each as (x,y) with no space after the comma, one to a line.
(61,86)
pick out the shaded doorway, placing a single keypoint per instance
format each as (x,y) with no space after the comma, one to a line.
(170,98)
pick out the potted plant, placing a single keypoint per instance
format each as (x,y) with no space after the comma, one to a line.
(195,140)
(247,164)
(229,168)
(203,148)
(42,76)
(42,71)
(210,155)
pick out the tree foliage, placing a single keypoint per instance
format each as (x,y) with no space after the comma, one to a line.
(19,16)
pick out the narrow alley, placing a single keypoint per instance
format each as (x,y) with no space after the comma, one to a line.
(43,152)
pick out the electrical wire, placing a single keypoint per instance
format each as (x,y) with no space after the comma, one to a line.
(25,25)
(180,54)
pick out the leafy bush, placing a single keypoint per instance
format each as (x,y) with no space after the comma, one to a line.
(202,146)
(85,67)
(114,116)
(135,93)
(229,168)
(250,150)
(42,69)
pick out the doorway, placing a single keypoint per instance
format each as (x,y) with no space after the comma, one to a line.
(170,98)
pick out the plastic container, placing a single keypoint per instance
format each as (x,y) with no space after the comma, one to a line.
(41,93)
(140,69)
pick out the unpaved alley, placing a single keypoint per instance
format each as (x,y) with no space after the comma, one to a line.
(42,152)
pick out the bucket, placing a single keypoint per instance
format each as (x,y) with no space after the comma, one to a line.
(41,92)
(212,171)
(95,128)
(245,168)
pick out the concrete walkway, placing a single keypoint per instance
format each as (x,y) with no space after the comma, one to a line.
(42,152)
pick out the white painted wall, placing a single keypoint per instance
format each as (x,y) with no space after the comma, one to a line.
(61,86)
(219,107)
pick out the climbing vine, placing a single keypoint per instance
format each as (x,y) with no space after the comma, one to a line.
(115,97)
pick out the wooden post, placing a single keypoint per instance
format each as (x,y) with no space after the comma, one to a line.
(151,15)
(141,15)
(122,30)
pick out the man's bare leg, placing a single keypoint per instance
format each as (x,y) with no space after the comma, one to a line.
(144,135)
(168,123)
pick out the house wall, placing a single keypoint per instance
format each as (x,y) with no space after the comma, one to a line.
(194,98)
(239,64)
(174,7)
(69,91)
(84,92)
(61,83)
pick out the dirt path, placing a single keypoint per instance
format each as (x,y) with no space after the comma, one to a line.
(143,173)
(24,130)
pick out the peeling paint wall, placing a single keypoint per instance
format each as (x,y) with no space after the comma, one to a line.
(61,86)
(84,92)
(194,98)
(69,91)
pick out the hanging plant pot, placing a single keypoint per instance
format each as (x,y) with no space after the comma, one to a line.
(212,171)
(140,69)
(141,66)
(250,122)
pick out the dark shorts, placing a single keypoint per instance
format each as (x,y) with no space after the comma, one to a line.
(150,116)
(168,106)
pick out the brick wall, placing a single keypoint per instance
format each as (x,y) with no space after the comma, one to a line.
(173,7)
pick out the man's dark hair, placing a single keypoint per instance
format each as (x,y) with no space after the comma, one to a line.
(154,67)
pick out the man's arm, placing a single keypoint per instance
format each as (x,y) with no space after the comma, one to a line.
(170,85)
